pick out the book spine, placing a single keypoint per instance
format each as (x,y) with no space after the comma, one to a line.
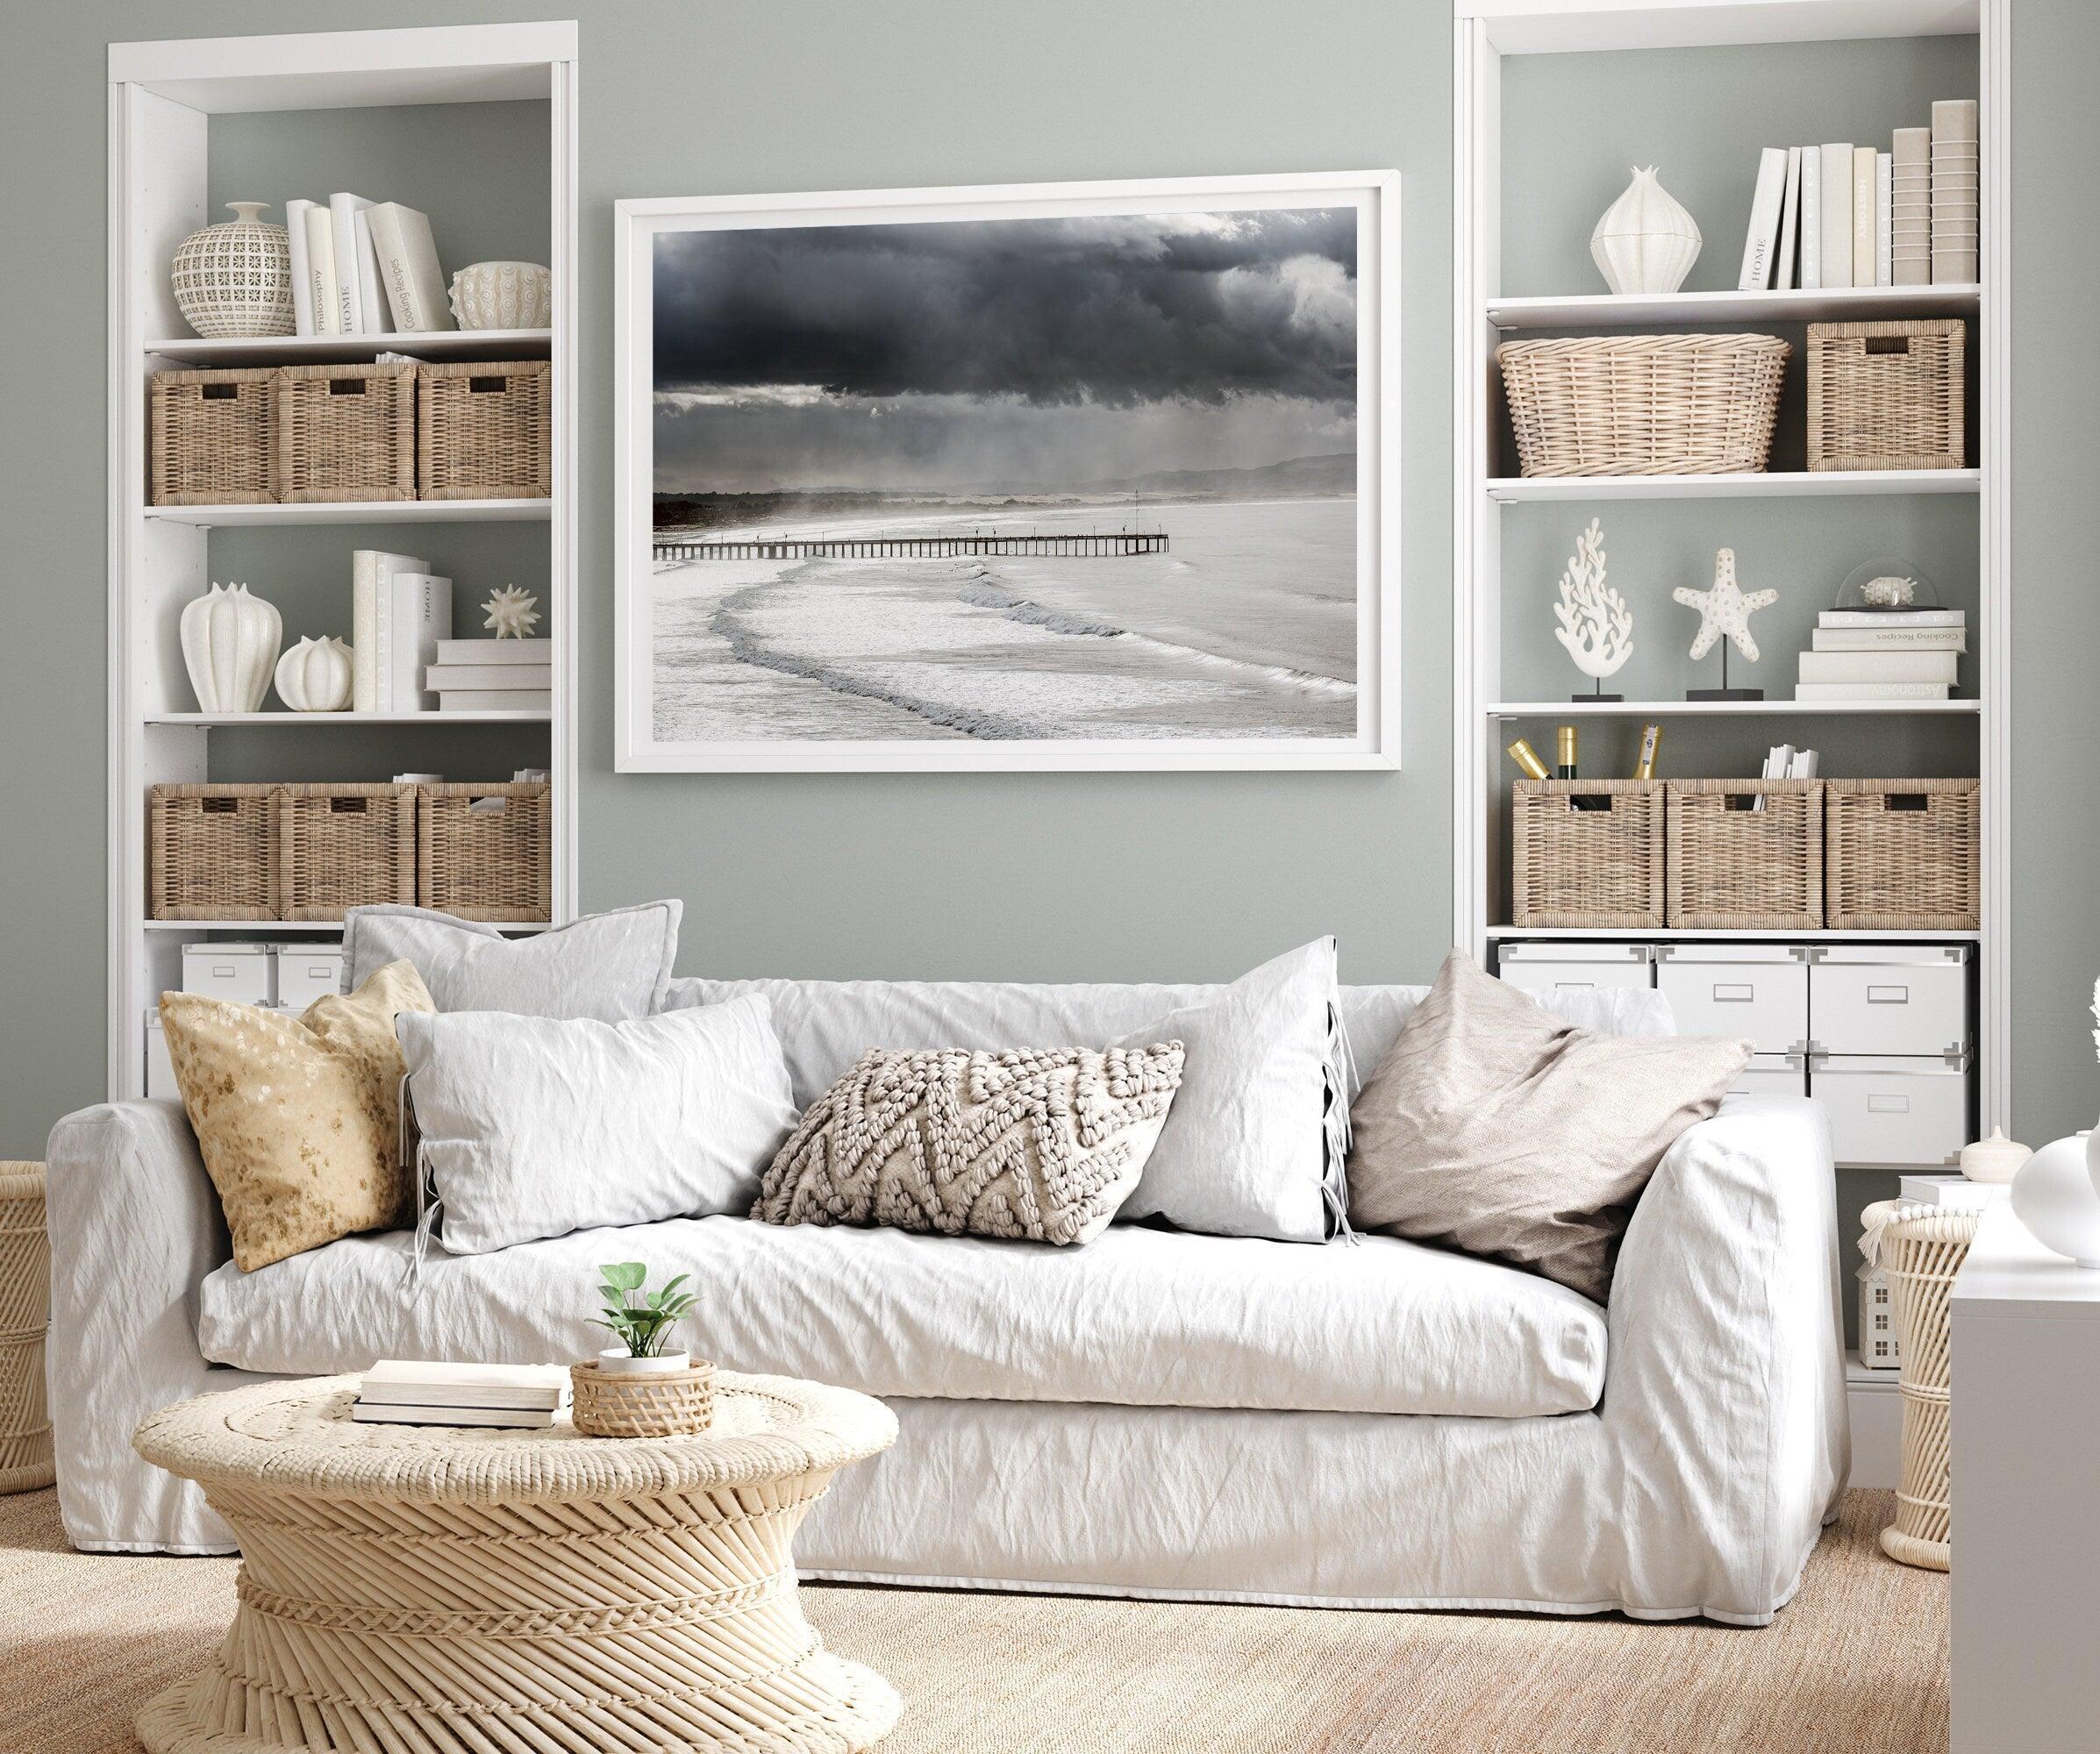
(295,238)
(1889,639)
(1870,691)
(383,643)
(371,293)
(1786,270)
(1893,617)
(494,699)
(387,245)
(1760,245)
(1837,214)
(422,617)
(1862,216)
(1878,667)
(1913,234)
(1811,217)
(363,627)
(1884,219)
(342,213)
(320,266)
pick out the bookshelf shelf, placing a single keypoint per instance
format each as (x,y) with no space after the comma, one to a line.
(1587,310)
(278,928)
(1725,934)
(1777,484)
(359,511)
(296,350)
(1724,709)
(207,721)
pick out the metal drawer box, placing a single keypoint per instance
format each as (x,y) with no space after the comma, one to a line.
(1904,1113)
(1574,967)
(1895,999)
(1757,990)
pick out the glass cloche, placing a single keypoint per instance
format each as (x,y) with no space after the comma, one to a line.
(1887,583)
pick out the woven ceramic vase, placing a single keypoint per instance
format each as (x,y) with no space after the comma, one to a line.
(503,296)
(1646,242)
(234,280)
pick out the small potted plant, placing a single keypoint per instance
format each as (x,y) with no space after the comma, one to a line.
(639,1388)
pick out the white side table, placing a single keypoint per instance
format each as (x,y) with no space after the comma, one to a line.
(2026,1488)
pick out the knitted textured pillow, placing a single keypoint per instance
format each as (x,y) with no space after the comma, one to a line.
(1039,1144)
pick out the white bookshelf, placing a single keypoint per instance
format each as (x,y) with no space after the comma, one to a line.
(1487,34)
(163,97)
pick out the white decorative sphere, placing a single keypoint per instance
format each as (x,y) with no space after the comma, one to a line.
(234,280)
(504,296)
(1646,242)
(229,642)
(2055,1197)
(314,676)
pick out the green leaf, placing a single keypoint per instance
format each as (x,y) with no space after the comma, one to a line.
(673,1284)
(626,1275)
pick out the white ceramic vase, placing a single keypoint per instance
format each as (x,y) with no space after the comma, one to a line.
(619,1361)
(1646,242)
(314,676)
(229,642)
(503,296)
(2054,1196)
(234,279)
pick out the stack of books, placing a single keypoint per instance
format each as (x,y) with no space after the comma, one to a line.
(1841,215)
(492,675)
(1904,654)
(363,268)
(400,611)
(398,1392)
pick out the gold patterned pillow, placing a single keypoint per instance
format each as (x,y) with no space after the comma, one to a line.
(1039,1144)
(298,1117)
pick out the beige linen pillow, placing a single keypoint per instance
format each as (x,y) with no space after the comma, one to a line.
(298,1118)
(1493,1127)
(1039,1143)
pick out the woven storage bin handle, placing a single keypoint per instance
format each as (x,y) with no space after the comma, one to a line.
(221,392)
(1888,344)
(346,387)
(1906,801)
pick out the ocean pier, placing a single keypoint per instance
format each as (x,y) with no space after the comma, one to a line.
(1089,543)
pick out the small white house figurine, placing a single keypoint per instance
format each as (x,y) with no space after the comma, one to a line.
(1725,613)
(1596,627)
(511,612)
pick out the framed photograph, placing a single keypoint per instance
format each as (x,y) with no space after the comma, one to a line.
(1069,475)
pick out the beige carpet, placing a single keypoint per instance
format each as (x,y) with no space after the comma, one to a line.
(1856,1665)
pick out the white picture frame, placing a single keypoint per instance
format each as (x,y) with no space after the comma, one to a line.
(1373,196)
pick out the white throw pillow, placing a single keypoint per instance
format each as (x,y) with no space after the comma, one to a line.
(610,965)
(1245,1151)
(537,1126)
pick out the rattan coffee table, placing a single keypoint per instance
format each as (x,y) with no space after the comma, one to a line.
(418,1590)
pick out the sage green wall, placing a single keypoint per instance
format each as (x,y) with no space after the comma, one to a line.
(1075,876)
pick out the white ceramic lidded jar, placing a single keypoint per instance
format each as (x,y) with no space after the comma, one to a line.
(233,279)
(1646,242)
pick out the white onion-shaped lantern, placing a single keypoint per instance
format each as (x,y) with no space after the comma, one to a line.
(314,676)
(229,642)
(234,279)
(1646,242)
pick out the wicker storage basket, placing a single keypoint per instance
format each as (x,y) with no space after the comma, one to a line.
(1587,852)
(343,846)
(24,1314)
(1905,855)
(1886,396)
(213,853)
(1734,864)
(1644,404)
(483,430)
(346,432)
(623,1404)
(485,864)
(211,441)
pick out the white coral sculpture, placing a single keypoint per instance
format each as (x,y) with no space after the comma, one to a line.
(511,612)
(2096,1019)
(1596,627)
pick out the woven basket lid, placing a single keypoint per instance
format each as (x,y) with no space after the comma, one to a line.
(298,1436)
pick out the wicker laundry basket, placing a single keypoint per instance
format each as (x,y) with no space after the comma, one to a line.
(24,1314)
(1922,1248)
(1644,404)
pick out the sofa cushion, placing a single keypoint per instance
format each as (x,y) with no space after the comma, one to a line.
(1142,1316)
(611,966)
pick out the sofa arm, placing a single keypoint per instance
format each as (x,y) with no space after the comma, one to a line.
(1725,1388)
(135,1225)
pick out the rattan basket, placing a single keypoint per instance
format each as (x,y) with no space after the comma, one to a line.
(343,846)
(1905,855)
(1587,852)
(654,1404)
(1644,404)
(1886,396)
(346,432)
(210,440)
(485,864)
(212,852)
(25,1460)
(1733,864)
(1921,1250)
(483,430)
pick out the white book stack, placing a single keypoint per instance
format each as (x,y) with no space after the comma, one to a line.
(492,675)
(1910,208)
(407,1391)
(1884,655)
(1955,192)
(377,583)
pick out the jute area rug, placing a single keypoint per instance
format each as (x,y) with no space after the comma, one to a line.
(1856,1665)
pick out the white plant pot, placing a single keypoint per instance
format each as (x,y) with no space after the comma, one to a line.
(2055,1197)
(619,1361)
(1646,242)
(229,642)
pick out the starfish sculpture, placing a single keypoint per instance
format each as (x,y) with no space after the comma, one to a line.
(1724,609)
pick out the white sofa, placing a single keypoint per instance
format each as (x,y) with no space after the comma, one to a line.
(1367,1424)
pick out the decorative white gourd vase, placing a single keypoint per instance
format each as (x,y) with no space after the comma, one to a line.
(1994,1161)
(314,676)
(234,279)
(1646,242)
(229,642)
(2054,1196)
